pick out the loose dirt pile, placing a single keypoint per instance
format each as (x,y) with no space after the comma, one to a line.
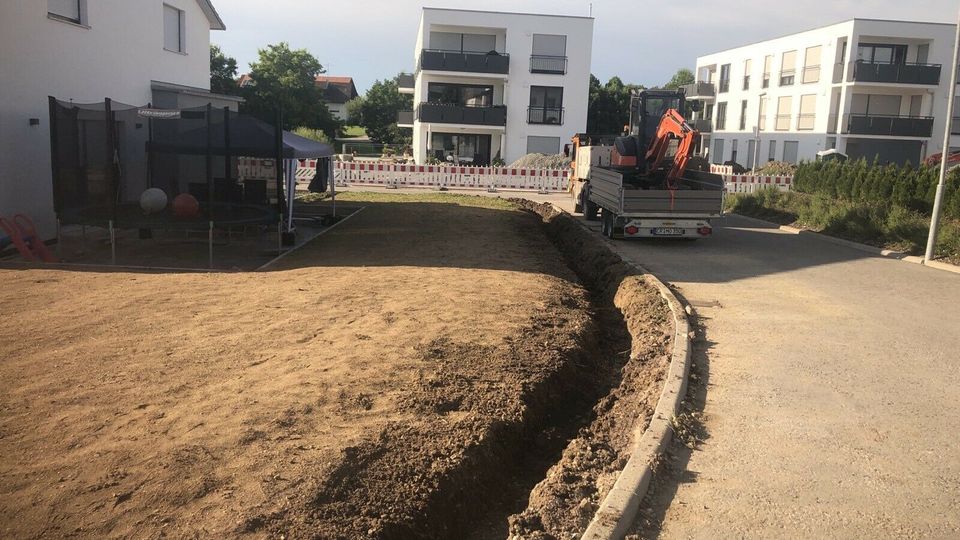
(542,161)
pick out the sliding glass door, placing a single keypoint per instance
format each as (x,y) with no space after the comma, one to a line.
(461,148)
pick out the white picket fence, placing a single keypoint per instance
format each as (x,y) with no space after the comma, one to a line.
(450,176)
(752,183)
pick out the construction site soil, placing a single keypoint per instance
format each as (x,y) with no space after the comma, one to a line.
(461,367)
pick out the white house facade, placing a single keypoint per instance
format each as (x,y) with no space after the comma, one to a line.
(491,84)
(132,51)
(868,88)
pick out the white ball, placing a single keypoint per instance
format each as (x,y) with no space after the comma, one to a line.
(153,200)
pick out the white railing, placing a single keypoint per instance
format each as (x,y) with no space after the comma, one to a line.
(752,183)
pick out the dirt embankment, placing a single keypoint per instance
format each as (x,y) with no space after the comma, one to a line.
(562,505)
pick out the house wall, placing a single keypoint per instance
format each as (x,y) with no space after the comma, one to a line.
(515,37)
(338,110)
(116,55)
(834,100)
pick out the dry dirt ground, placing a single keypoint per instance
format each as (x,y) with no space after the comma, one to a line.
(412,373)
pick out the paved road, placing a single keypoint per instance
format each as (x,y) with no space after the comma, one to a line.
(832,400)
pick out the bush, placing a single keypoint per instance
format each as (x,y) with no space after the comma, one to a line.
(777,168)
(312,134)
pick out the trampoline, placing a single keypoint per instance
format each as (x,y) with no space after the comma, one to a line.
(105,155)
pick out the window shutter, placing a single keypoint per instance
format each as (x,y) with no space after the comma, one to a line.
(171,29)
(549,45)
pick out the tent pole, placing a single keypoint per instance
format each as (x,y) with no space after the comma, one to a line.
(59,241)
(113,244)
(209,162)
(54,155)
(111,156)
(227,169)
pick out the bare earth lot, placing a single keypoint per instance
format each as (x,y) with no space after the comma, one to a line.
(369,366)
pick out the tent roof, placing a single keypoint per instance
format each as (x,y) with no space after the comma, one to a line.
(248,137)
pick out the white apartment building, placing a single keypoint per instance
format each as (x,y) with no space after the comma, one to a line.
(865,87)
(132,51)
(491,84)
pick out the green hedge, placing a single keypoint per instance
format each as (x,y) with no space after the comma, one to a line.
(888,185)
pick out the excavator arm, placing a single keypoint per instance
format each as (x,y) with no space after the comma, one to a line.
(672,126)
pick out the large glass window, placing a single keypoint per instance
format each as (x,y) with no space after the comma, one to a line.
(881,53)
(724,78)
(788,68)
(811,65)
(454,41)
(790,151)
(460,94)
(784,105)
(721,116)
(549,45)
(546,105)
(461,148)
(808,109)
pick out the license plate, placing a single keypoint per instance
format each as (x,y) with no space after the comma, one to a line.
(668,231)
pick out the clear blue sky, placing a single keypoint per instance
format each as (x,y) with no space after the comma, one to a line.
(640,41)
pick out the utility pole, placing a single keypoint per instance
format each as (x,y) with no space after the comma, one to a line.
(945,156)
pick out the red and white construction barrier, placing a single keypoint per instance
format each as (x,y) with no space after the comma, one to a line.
(450,176)
(751,183)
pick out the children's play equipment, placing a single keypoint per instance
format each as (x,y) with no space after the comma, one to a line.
(22,234)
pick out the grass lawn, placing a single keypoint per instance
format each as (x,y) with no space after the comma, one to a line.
(354,131)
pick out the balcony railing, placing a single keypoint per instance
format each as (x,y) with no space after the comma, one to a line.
(553,65)
(405,118)
(699,90)
(545,115)
(782,122)
(895,126)
(724,86)
(472,62)
(805,121)
(907,73)
(406,82)
(703,125)
(746,82)
(787,77)
(442,113)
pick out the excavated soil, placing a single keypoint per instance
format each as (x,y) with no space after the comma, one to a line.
(413,373)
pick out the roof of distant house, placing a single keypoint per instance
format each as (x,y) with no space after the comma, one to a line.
(337,89)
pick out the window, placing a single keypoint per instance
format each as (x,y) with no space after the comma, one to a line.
(784,103)
(460,147)
(67,10)
(767,66)
(725,78)
(747,68)
(454,41)
(460,94)
(772,155)
(546,105)
(790,150)
(811,65)
(549,54)
(733,151)
(717,156)
(788,68)
(752,153)
(173,29)
(708,111)
(881,53)
(831,143)
(543,145)
(721,116)
(763,114)
(808,108)
(743,115)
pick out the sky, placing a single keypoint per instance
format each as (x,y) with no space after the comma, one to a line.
(374,39)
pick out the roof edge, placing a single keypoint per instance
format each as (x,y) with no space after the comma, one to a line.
(426,8)
(216,23)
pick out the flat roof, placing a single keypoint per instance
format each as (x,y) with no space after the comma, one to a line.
(509,13)
(854,19)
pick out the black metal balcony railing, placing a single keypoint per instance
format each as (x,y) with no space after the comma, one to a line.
(787,77)
(473,62)
(906,73)
(724,86)
(897,126)
(805,121)
(405,118)
(554,65)
(406,81)
(746,82)
(442,113)
(545,115)
(699,89)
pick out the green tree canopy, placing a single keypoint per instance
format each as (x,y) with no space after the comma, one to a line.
(286,78)
(609,106)
(223,72)
(681,77)
(377,111)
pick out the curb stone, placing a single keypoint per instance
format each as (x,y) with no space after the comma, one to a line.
(617,511)
(889,253)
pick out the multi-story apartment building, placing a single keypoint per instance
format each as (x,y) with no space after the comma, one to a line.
(133,51)
(491,84)
(867,88)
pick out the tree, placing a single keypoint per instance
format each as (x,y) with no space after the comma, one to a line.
(355,111)
(223,72)
(681,77)
(377,112)
(609,106)
(286,78)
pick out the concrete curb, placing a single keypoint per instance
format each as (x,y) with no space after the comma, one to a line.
(617,511)
(889,253)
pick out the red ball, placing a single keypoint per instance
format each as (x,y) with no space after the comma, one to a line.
(186,205)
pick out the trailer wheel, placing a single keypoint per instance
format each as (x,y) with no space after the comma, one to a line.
(606,224)
(577,208)
(590,210)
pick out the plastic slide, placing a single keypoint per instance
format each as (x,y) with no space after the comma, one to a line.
(23,235)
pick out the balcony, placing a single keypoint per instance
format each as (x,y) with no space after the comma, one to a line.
(552,65)
(907,73)
(699,90)
(442,113)
(405,118)
(703,125)
(545,115)
(893,126)
(469,62)
(405,83)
